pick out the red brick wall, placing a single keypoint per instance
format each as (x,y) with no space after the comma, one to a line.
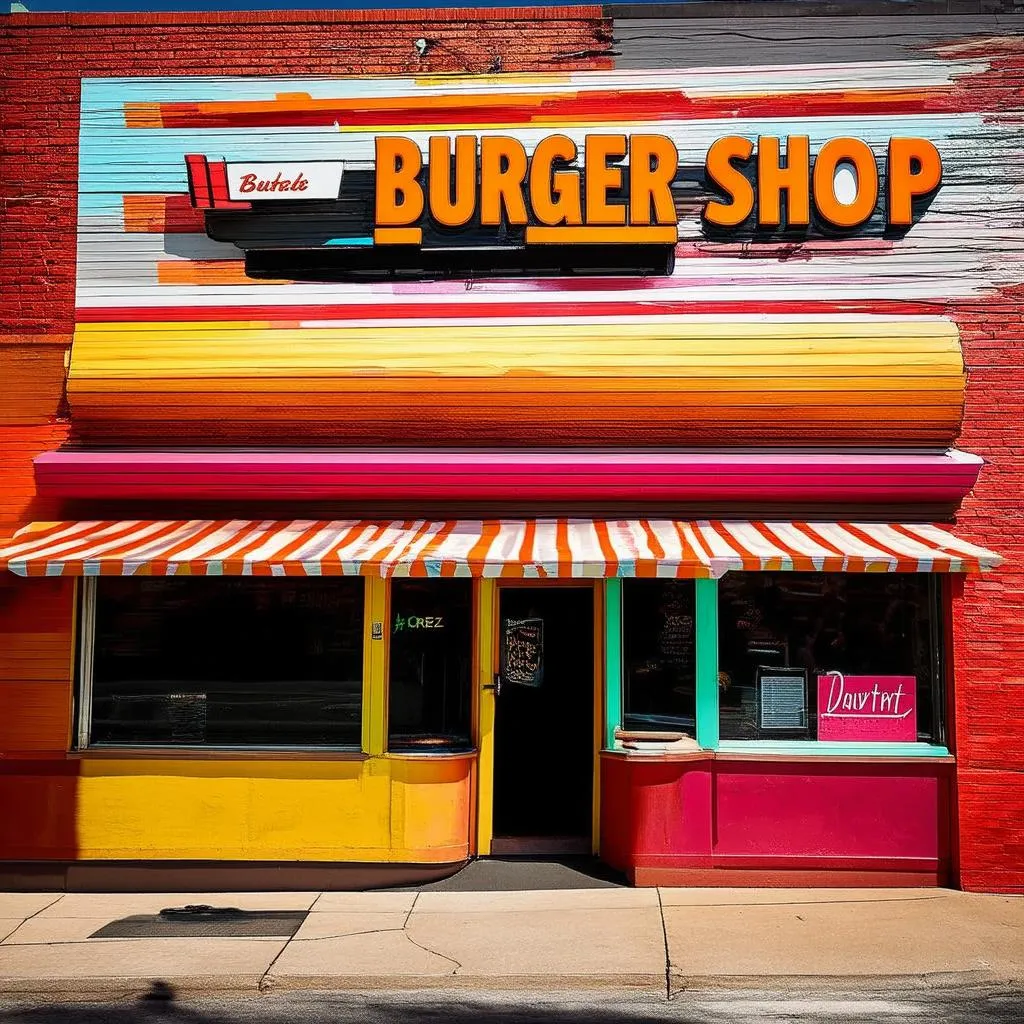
(988,614)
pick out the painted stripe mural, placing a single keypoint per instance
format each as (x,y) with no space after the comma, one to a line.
(674,380)
(206,317)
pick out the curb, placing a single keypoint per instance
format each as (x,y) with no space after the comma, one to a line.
(168,988)
(679,983)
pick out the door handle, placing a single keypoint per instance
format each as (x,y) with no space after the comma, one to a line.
(495,686)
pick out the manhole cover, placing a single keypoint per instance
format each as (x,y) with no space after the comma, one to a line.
(201,921)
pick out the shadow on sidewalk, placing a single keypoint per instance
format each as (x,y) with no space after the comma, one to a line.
(161,1006)
(515,874)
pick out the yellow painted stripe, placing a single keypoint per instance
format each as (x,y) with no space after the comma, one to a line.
(487,596)
(586,350)
(375,669)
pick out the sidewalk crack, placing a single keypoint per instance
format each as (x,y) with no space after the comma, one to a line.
(14,931)
(263,984)
(434,952)
(664,939)
(419,945)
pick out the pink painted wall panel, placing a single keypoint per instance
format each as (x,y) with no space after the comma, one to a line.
(715,813)
(836,811)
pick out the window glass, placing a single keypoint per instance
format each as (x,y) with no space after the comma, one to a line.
(430,664)
(228,662)
(870,643)
(659,654)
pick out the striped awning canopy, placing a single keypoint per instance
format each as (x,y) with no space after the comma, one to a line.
(531,549)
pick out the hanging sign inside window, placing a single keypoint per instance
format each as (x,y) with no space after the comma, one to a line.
(522,652)
(782,698)
(867,708)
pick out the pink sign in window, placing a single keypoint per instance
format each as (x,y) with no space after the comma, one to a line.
(867,708)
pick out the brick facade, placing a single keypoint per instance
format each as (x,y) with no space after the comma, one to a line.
(46,56)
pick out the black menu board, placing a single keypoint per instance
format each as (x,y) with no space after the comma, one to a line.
(522,652)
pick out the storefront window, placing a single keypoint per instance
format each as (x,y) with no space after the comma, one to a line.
(829,656)
(430,664)
(225,662)
(659,654)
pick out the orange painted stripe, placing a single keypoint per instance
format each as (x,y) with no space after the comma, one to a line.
(160,563)
(331,563)
(971,563)
(801,562)
(611,559)
(143,115)
(836,557)
(208,272)
(904,563)
(478,553)
(643,235)
(529,539)
(750,562)
(397,236)
(647,567)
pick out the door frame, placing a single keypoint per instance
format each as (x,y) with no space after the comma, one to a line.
(487,660)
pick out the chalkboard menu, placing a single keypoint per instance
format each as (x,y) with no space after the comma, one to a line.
(522,652)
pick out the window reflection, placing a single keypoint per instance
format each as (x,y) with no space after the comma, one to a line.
(228,662)
(852,623)
(659,654)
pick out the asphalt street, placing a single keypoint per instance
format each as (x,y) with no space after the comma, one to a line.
(930,1006)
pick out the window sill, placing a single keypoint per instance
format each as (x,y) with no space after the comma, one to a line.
(220,753)
(428,755)
(813,749)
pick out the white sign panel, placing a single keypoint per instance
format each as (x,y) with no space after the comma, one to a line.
(309,179)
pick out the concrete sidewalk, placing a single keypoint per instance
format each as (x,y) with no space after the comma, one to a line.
(662,940)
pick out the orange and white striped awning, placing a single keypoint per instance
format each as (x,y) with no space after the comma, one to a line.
(531,549)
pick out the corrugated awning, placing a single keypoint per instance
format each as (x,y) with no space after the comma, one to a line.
(532,549)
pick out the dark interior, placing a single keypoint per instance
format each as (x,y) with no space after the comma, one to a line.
(543,759)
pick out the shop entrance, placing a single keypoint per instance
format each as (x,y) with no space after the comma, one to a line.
(544,721)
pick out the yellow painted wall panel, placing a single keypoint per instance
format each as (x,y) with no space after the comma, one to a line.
(333,810)
(430,807)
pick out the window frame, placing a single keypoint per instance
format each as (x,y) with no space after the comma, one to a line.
(471,744)
(84,685)
(707,710)
(672,723)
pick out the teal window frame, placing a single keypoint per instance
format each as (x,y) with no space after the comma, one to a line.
(707,711)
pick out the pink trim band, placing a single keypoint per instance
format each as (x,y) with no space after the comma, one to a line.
(509,476)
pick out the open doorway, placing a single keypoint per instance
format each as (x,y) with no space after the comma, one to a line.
(544,721)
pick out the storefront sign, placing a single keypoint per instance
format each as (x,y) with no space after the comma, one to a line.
(867,708)
(403,622)
(616,188)
(311,179)
(495,181)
